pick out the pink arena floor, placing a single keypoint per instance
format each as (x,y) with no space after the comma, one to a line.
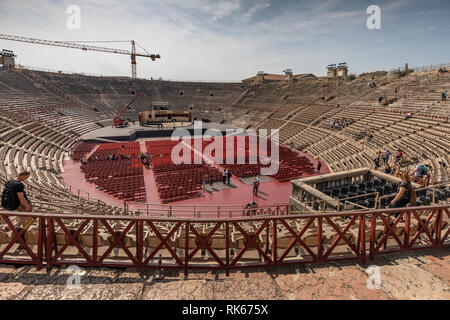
(271,192)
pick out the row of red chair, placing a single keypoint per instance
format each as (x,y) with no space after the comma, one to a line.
(81,150)
(123,179)
(177,182)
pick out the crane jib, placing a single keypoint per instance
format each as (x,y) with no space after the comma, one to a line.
(83,47)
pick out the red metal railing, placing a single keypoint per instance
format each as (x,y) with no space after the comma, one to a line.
(231,243)
(206,211)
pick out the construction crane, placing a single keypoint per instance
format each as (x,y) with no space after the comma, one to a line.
(118,122)
(79,45)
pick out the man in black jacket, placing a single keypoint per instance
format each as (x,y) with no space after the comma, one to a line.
(14,197)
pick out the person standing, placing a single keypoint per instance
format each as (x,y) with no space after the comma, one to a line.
(255,186)
(399,155)
(376,161)
(319,166)
(386,156)
(224,176)
(228,177)
(203,183)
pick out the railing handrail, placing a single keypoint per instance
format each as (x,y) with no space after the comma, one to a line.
(204,205)
(243,218)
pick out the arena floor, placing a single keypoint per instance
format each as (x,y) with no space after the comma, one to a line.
(341,281)
(238,193)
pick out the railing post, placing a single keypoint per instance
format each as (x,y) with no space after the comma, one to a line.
(139,242)
(434,195)
(227,248)
(41,243)
(363,238)
(438,226)
(372,235)
(319,238)
(186,249)
(48,247)
(407,228)
(274,241)
(95,241)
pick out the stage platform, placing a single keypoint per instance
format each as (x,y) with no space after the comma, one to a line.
(136,132)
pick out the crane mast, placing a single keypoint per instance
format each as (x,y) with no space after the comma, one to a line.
(73,45)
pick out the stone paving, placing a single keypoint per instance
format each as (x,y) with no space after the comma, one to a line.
(413,275)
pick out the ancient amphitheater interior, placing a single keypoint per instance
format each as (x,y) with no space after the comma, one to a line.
(284,174)
(46,115)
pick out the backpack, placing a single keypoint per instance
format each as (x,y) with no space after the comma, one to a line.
(10,201)
(423,169)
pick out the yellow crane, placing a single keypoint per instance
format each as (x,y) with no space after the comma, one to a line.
(81,45)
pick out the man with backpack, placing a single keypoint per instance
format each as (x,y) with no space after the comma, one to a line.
(14,197)
(420,170)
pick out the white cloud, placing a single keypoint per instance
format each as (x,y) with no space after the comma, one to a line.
(222,8)
(253,10)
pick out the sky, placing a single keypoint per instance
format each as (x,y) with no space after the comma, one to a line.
(229,40)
